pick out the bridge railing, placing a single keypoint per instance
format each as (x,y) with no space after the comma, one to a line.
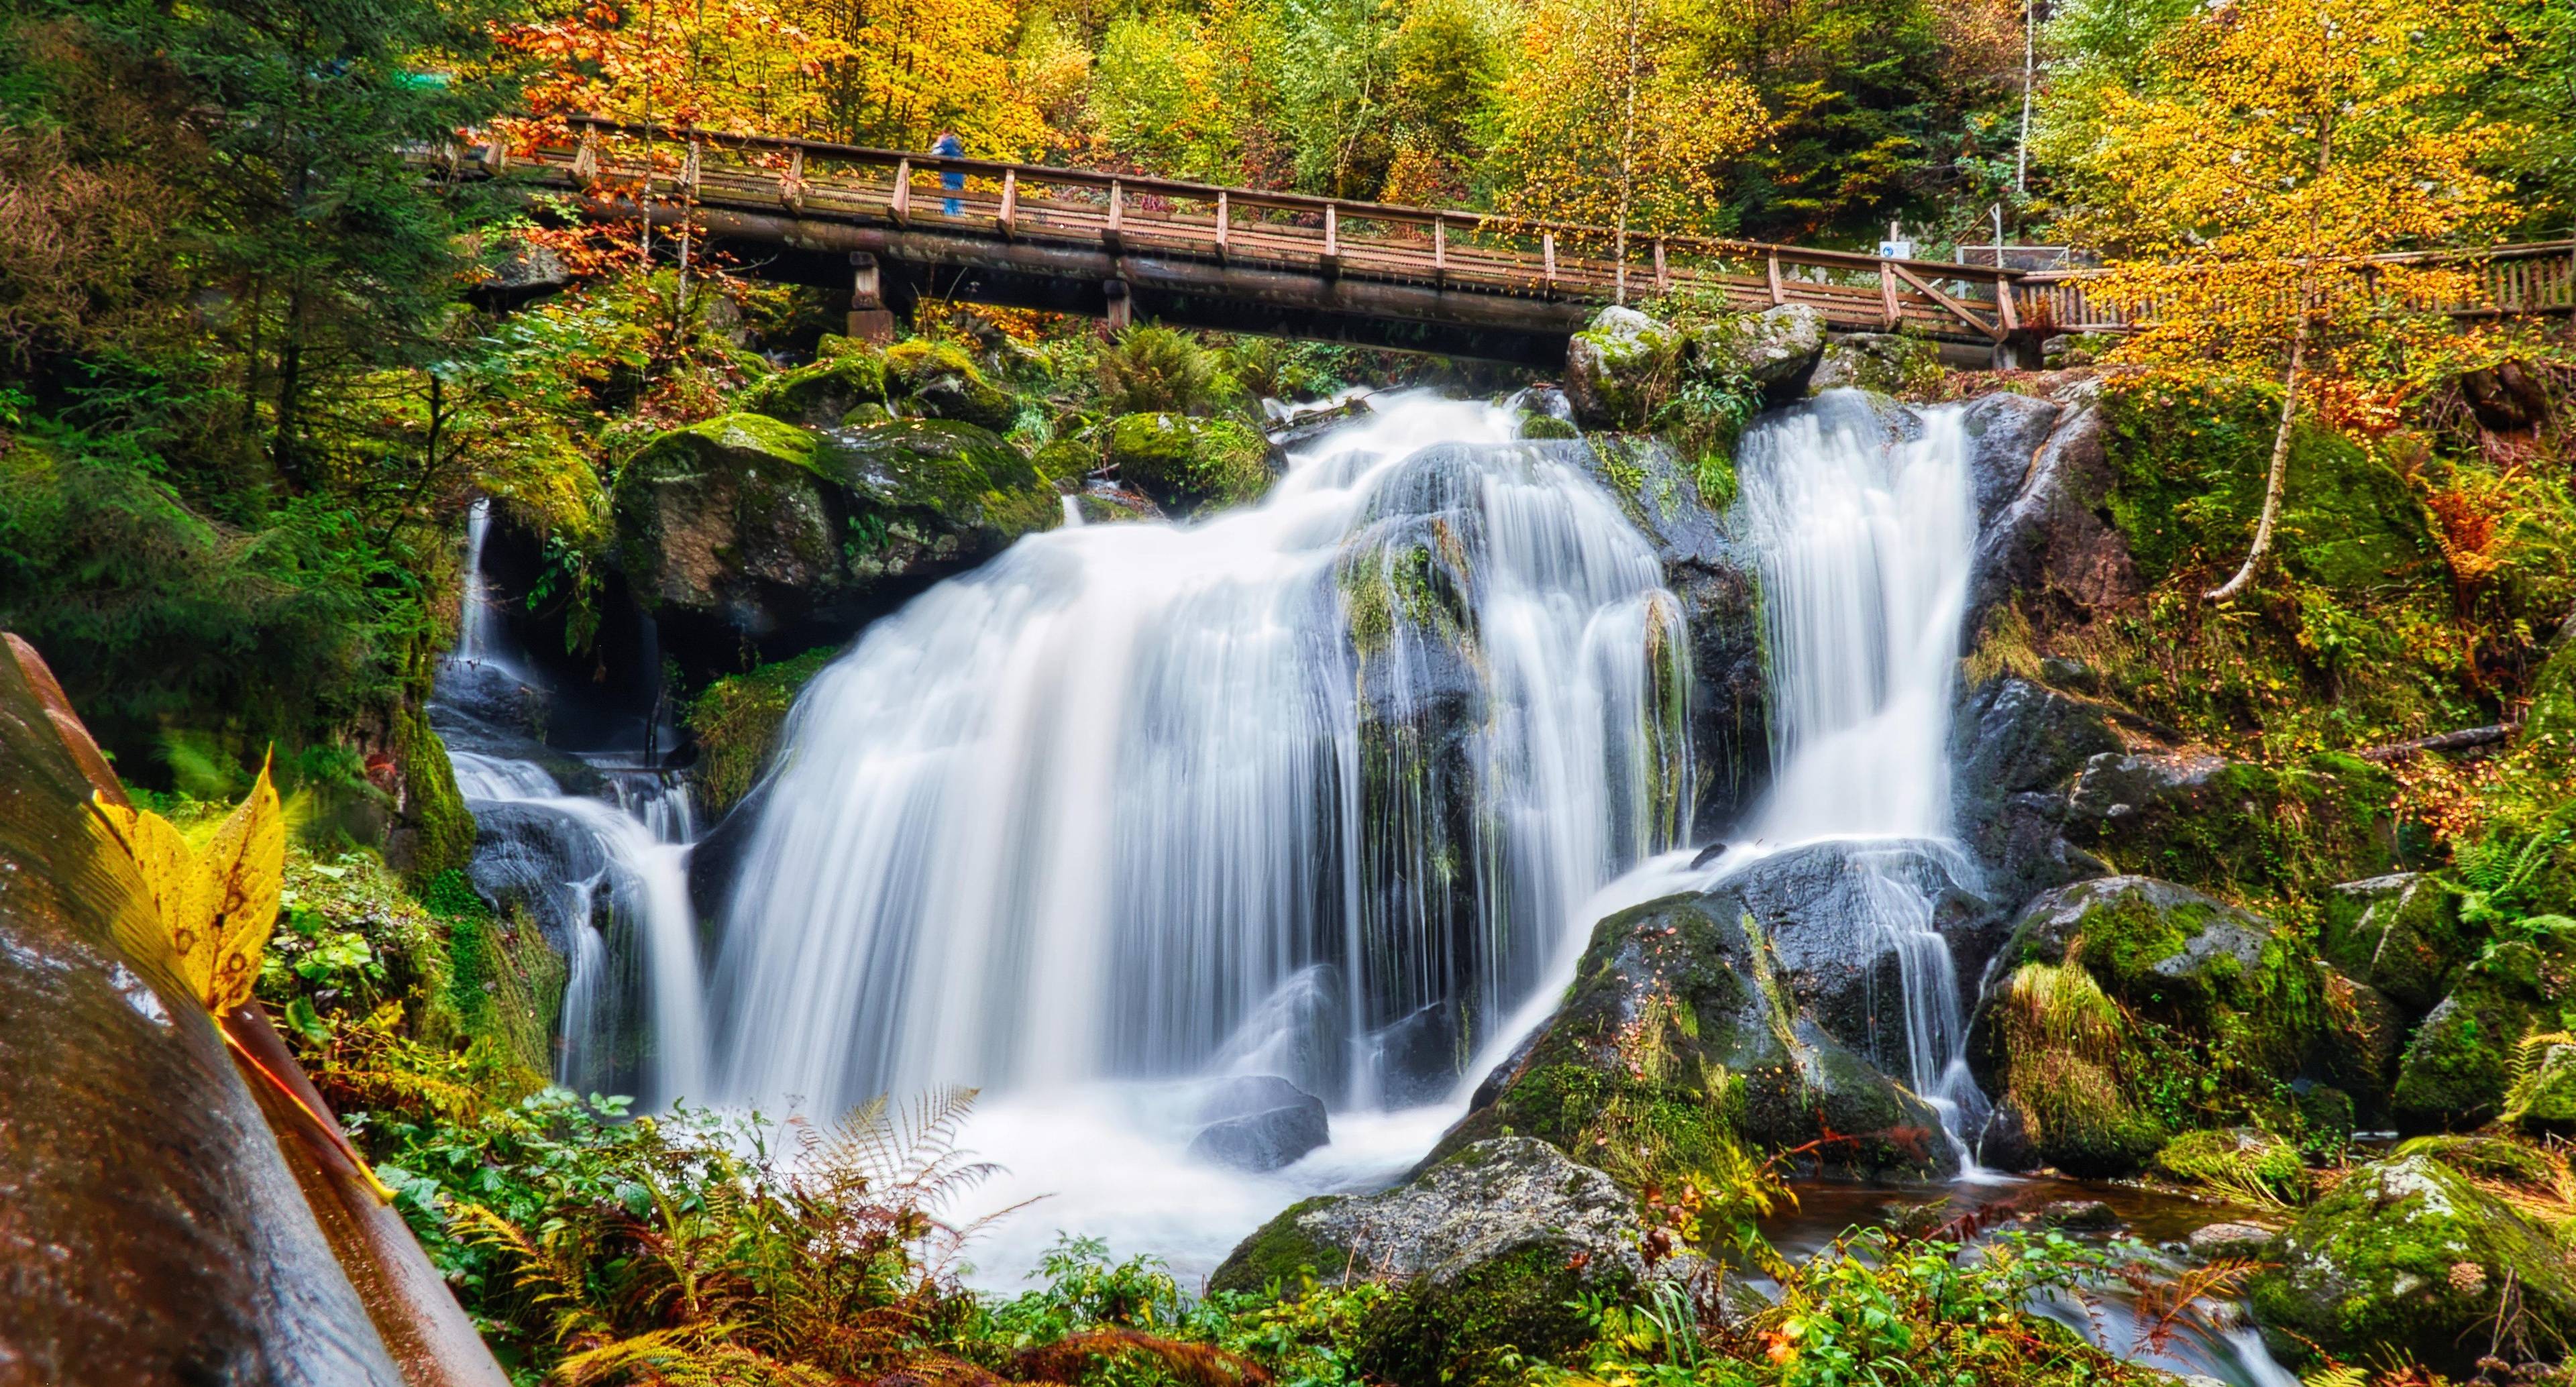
(1333,237)
(2533,278)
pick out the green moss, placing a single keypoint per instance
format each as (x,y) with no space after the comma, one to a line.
(938,378)
(504,985)
(442,826)
(1547,426)
(1189,463)
(732,441)
(2237,1161)
(933,476)
(2461,1065)
(1281,1253)
(823,392)
(1476,1327)
(736,722)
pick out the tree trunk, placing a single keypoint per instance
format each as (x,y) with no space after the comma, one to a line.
(2280,466)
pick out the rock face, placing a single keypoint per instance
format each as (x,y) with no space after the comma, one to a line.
(2014,747)
(2459,1067)
(2543,1102)
(1878,361)
(940,380)
(1776,348)
(2048,541)
(2399,933)
(1259,1123)
(2407,1257)
(746,528)
(1716,582)
(1681,1018)
(1613,366)
(1186,464)
(843,376)
(2236,826)
(1487,1246)
(2113,991)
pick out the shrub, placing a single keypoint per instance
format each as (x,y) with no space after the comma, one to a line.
(1153,369)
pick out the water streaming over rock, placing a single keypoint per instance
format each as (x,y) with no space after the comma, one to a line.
(1861,517)
(1310,788)
(603,870)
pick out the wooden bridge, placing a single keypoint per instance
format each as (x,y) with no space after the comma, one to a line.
(895,226)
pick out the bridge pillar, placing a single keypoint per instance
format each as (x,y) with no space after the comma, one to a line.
(1122,304)
(870,321)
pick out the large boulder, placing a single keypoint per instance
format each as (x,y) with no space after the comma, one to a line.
(940,380)
(1680,1040)
(1488,1250)
(1259,1122)
(1883,362)
(2407,1258)
(1774,349)
(2125,1009)
(2459,1068)
(1618,368)
(1187,464)
(843,375)
(2006,434)
(745,529)
(2401,933)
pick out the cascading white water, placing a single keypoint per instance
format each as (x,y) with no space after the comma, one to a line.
(1862,520)
(640,844)
(1310,787)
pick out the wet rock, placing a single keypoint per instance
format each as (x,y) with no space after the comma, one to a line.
(2215,1241)
(2014,747)
(2458,1069)
(2049,542)
(1259,1123)
(1615,367)
(1878,361)
(940,380)
(2400,933)
(540,859)
(1186,464)
(2407,1257)
(845,375)
(1680,1007)
(1487,1247)
(2006,433)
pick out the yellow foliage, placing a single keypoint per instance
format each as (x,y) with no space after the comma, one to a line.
(218,905)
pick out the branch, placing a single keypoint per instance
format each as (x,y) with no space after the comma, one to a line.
(2441,741)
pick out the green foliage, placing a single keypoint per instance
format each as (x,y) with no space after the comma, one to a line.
(1155,370)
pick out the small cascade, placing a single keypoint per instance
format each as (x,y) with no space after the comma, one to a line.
(1309,788)
(605,870)
(1861,516)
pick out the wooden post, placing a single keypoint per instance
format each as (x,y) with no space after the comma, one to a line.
(1222,216)
(2007,312)
(1122,305)
(1332,240)
(1117,208)
(901,203)
(1887,294)
(1009,220)
(1440,250)
(1547,248)
(496,156)
(791,185)
(585,160)
(1663,275)
(869,319)
(1779,295)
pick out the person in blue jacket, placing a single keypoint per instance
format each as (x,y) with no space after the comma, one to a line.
(948,146)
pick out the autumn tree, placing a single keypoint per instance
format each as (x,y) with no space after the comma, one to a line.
(2254,160)
(1607,119)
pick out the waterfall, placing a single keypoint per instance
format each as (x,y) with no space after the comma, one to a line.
(617,855)
(1309,788)
(1861,515)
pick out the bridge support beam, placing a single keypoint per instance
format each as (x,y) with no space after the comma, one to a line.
(870,321)
(1121,305)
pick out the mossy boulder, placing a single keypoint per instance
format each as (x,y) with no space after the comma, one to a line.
(708,513)
(2542,1101)
(932,493)
(2242,1161)
(844,375)
(2400,933)
(1775,348)
(1619,367)
(2408,1258)
(940,380)
(735,721)
(2125,1010)
(1885,362)
(2236,827)
(1680,1043)
(2460,1067)
(1542,427)
(1187,464)
(1485,1248)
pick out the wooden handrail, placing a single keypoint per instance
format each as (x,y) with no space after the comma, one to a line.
(1344,208)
